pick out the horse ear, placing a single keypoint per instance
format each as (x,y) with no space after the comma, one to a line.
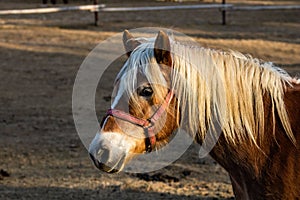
(129,43)
(162,49)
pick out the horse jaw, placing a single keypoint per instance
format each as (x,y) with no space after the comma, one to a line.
(110,151)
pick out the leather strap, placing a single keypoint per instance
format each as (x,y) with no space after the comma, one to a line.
(146,124)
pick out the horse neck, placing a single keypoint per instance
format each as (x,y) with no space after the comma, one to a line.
(271,171)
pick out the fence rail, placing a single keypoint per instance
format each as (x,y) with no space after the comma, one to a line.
(102,8)
(152,8)
(92,8)
(275,7)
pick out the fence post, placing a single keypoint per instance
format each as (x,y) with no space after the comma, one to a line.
(96,17)
(223,13)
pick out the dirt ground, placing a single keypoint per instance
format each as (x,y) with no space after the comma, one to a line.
(41,155)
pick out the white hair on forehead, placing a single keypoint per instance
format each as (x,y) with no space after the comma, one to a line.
(210,84)
(141,65)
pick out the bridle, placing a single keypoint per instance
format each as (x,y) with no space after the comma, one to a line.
(147,124)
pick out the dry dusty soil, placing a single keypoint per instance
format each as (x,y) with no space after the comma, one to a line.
(41,155)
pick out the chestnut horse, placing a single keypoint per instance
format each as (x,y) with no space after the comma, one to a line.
(255,104)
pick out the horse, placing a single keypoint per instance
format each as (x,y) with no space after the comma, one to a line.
(255,104)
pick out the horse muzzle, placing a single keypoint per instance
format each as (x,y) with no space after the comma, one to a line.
(108,151)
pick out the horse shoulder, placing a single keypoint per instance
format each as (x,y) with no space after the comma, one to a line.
(278,174)
(292,103)
(285,156)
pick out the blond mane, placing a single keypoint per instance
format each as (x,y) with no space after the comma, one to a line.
(226,88)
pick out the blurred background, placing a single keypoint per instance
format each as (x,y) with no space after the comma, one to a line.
(41,155)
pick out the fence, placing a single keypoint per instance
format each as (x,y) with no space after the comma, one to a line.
(102,8)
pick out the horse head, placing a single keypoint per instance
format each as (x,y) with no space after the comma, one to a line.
(143,113)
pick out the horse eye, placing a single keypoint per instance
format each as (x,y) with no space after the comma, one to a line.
(146,92)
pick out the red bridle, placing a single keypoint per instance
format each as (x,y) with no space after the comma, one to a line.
(146,124)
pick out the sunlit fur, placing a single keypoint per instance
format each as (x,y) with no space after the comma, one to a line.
(213,86)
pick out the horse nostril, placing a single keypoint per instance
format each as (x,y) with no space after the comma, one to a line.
(101,157)
(104,156)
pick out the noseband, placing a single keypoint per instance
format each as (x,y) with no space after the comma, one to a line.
(146,124)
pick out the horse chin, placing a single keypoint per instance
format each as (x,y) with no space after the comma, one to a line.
(107,169)
(116,168)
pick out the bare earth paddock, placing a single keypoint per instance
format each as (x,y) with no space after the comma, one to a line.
(41,156)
